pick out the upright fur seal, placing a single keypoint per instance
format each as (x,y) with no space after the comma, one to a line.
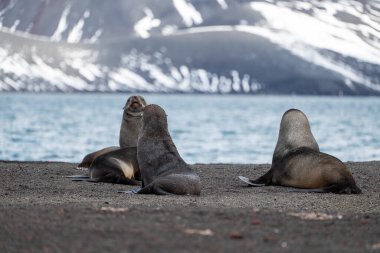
(129,130)
(131,121)
(163,171)
(297,161)
(119,166)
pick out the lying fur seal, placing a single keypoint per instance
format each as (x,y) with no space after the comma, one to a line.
(298,163)
(163,171)
(119,166)
(129,130)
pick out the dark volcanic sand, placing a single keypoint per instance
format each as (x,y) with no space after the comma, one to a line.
(42,211)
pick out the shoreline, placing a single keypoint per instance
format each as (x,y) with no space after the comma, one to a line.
(50,213)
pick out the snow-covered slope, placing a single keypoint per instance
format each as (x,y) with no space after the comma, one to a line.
(221,46)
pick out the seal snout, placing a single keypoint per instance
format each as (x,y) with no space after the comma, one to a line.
(135,104)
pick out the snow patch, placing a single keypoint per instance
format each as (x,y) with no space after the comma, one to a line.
(76,33)
(62,24)
(222,4)
(169,29)
(14,26)
(125,77)
(95,37)
(188,12)
(144,25)
(204,29)
(322,31)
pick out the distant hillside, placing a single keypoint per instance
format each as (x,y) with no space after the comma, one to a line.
(207,46)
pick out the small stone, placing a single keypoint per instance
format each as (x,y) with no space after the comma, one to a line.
(236,235)
(255,221)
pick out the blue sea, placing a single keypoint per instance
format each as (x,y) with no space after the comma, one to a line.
(205,128)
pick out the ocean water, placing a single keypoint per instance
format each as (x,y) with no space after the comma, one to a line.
(205,129)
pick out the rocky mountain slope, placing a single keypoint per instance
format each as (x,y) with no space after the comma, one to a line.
(213,46)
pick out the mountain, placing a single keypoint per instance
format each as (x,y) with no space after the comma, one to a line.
(204,46)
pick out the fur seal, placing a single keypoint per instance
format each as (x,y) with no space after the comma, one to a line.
(297,161)
(163,171)
(129,130)
(119,166)
(131,121)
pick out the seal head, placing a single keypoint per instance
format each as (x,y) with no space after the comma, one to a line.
(294,132)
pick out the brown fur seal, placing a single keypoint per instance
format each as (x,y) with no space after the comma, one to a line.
(119,166)
(131,121)
(163,171)
(298,163)
(129,130)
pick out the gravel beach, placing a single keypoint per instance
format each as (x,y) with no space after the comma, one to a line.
(42,211)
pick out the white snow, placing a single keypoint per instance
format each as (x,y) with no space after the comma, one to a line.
(144,25)
(14,26)
(169,29)
(56,76)
(16,65)
(76,33)
(62,24)
(189,14)
(15,85)
(235,80)
(95,37)
(245,83)
(204,29)
(222,4)
(304,35)
(323,31)
(83,62)
(10,6)
(127,78)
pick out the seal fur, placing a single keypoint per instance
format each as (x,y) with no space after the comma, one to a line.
(163,171)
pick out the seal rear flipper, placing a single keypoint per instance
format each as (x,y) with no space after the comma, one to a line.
(249,182)
(78,177)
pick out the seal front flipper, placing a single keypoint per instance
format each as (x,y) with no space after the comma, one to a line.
(134,191)
(249,182)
